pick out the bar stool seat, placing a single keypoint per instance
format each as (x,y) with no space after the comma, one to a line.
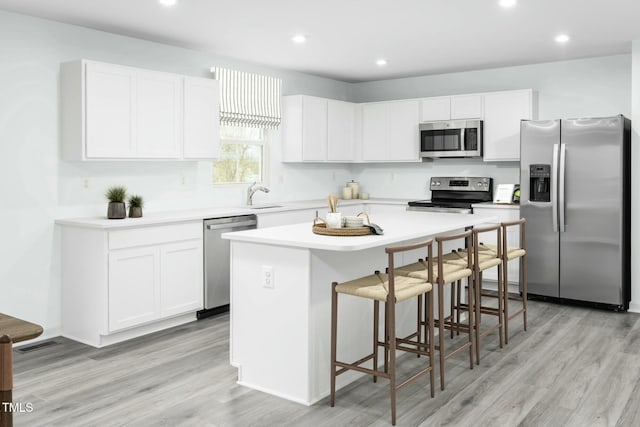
(512,253)
(375,287)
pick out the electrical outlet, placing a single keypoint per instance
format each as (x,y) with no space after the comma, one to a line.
(333,176)
(183,180)
(267,277)
(392,176)
(85,183)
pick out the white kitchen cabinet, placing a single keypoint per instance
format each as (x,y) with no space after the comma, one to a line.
(455,107)
(133,290)
(504,213)
(112,112)
(390,131)
(341,131)
(435,109)
(503,112)
(201,118)
(318,129)
(466,107)
(122,283)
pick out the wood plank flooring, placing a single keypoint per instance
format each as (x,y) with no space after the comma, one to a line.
(575,366)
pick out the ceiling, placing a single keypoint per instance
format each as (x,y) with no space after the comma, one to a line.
(346,37)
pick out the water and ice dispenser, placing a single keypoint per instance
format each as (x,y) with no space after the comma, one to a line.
(540,183)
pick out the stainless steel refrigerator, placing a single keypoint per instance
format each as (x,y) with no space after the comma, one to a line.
(576,198)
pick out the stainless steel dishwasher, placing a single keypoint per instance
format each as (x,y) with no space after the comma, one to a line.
(217,261)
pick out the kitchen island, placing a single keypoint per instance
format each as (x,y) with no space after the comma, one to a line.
(281,295)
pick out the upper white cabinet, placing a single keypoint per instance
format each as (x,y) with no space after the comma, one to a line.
(201,118)
(435,109)
(341,131)
(451,108)
(318,129)
(390,131)
(112,112)
(503,112)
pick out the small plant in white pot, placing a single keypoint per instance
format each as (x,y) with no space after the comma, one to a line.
(135,206)
(116,196)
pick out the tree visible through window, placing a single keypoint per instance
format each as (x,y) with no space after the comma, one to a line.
(242,156)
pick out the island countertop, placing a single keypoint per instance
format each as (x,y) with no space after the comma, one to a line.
(397,228)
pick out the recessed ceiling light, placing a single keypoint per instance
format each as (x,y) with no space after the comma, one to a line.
(168,2)
(562,38)
(381,62)
(507,3)
(299,38)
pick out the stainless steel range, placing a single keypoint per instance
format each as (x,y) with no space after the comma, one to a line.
(455,194)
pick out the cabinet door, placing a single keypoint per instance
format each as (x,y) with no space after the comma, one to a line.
(433,109)
(181,277)
(402,131)
(201,136)
(158,115)
(314,129)
(466,107)
(502,114)
(374,132)
(341,119)
(133,290)
(108,112)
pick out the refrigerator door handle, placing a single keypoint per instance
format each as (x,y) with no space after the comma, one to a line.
(554,188)
(561,177)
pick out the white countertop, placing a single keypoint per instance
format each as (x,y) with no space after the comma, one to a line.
(156,218)
(397,228)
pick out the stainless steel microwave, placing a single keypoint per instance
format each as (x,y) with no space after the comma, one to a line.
(454,138)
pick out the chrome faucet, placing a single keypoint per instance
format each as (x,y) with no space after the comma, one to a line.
(251,191)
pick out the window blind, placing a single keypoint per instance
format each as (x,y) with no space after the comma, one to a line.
(248,99)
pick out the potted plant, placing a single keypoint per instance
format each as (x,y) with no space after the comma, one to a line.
(116,196)
(135,206)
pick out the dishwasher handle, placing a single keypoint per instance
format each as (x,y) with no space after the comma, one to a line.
(230,225)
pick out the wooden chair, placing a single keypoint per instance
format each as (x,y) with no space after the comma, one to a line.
(482,260)
(389,289)
(451,274)
(510,253)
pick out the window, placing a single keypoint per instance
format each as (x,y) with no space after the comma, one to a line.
(242,156)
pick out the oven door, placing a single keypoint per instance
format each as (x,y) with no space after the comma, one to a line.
(460,138)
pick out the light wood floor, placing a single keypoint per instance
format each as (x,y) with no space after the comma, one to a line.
(573,367)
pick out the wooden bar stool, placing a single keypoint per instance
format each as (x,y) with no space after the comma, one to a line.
(481,261)
(451,274)
(389,289)
(510,253)
(12,330)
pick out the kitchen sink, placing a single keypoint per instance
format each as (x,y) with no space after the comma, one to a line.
(264,206)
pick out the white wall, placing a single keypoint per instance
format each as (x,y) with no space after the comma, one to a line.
(36,186)
(579,88)
(635,179)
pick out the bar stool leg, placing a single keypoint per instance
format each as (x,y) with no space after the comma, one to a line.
(6,380)
(441,331)
(419,316)
(376,321)
(505,309)
(391,322)
(524,290)
(432,349)
(334,331)
(501,300)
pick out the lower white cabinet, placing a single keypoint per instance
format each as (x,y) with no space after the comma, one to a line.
(118,284)
(504,213)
